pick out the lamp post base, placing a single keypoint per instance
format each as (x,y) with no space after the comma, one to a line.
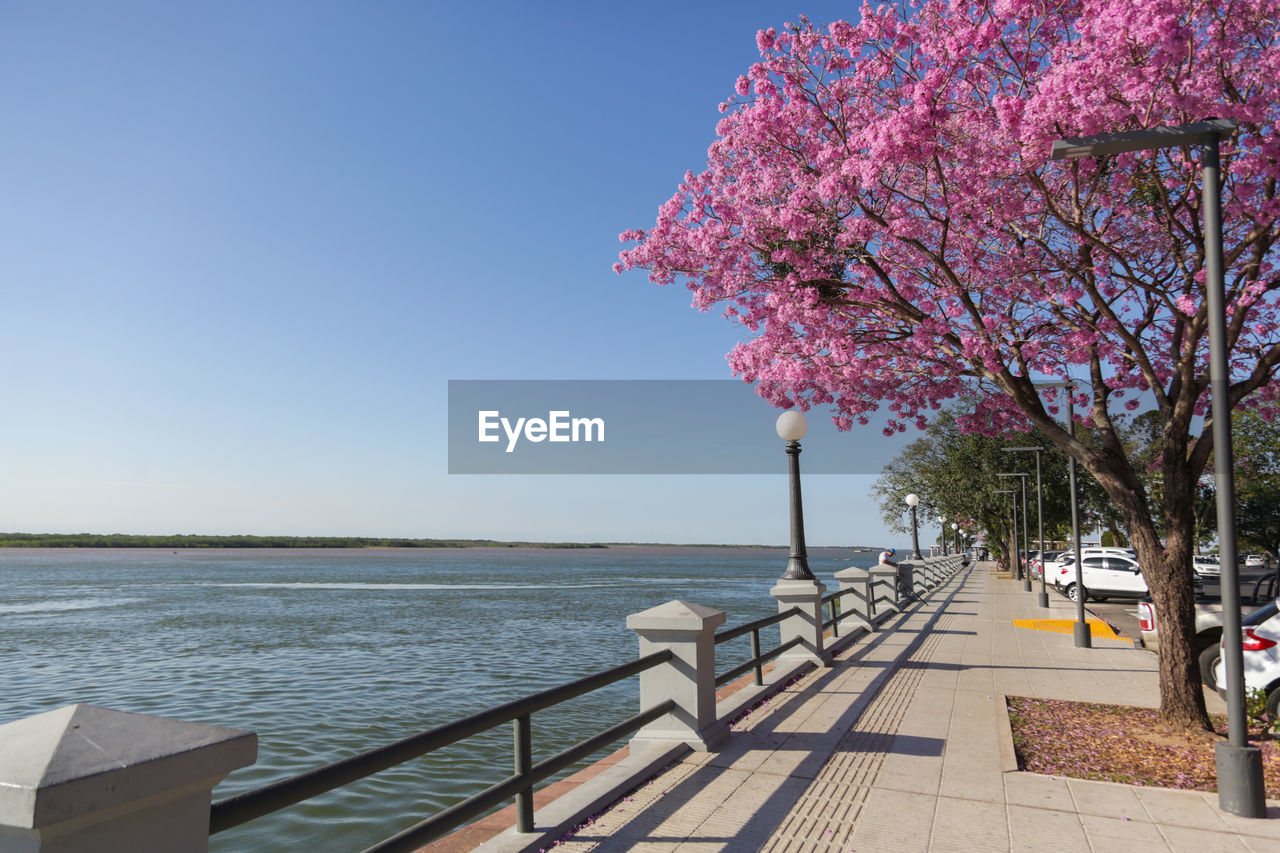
(1044,599)
(1240,787)
(1084,636)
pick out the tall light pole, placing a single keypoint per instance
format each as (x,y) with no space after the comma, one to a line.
(791,428)
(1026,545)
(955,537)
(1044,593)
(942,535)
(1240,783)
(1014,525)
(912,500)
(1083,635)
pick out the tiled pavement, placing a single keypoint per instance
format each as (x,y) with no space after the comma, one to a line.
(902,745)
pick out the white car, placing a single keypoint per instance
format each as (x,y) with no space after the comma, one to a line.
(1110,576)
(1207,564)
(1255,560)
(1208,629)
(1261,643)
(1038,559)
(1062,569)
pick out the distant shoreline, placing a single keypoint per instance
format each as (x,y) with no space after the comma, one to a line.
(195,541)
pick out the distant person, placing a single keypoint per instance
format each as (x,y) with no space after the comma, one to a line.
(886,557)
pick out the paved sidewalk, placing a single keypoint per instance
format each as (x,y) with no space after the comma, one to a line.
(903,746)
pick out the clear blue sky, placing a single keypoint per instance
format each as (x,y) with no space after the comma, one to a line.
(244,246)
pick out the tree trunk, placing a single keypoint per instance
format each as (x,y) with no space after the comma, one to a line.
(1168,573)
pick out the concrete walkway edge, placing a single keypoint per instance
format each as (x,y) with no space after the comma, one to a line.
(553,821)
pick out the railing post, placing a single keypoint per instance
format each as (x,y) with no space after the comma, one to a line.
(922,582)
(807,624)
(523,742)
(689,678)
(758,669)
(857,605)
(884,588)
(83,778)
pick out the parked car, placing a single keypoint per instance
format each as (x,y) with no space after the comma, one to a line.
(1110,576)
(1038,559)
(1207,564)
(1260,640)
(1062,569)
(1208,633)
(1255,560)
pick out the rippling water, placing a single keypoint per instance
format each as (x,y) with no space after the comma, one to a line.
(327,653)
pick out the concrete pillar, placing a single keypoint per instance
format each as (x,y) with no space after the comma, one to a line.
(807,624)
(914,577)
(857,604)
(884,588)
(81,779)
(689,678)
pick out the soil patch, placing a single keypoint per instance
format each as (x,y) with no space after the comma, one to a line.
(1117,743)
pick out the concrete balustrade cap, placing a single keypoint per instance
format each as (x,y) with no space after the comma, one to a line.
(80,759)
(676,616)
(852,573)
(797,588)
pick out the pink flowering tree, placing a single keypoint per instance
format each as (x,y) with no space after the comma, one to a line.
(880,211)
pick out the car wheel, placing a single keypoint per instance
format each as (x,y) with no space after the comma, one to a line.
(1208,661)
(1073,592)
(1098,598)
(1273,702)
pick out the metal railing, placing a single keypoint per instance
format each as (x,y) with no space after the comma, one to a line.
(249,805)
(1267,582)
(758,658)
(837,613)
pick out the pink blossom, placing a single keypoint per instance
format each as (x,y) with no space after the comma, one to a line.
(880,213)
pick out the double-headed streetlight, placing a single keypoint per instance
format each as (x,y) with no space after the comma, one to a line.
(1016,563)
(912,500)
(1026,545)
(791,428)
(1240,785)
(1083,637)
(1044,593)
(1013,525)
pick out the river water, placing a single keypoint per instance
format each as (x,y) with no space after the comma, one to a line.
(327,653)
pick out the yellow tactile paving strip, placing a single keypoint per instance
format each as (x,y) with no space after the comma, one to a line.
(1097,627)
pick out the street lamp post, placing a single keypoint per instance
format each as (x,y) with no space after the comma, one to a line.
(942,536)
(955,536)
(1239,766)
(1014,526)
(912,500)
(1044,593)
(791,428)
(1083,635)
(1026,545)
